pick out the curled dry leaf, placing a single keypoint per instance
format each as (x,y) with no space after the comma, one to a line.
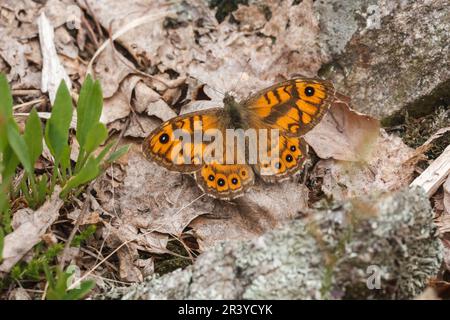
(29,228)
(344,134)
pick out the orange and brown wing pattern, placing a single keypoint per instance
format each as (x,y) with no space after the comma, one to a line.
(225,181)
(166,146)
(294,106)
(283,160)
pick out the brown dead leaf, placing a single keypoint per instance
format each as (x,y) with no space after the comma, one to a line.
(388,169)
(149,101)
(344,134)
(110,69)
(263,208)
(218,54)
(128,271)
(29,227)
(92,217)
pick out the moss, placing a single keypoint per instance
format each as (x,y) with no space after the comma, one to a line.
(421,107)
(415,131)
(166,263)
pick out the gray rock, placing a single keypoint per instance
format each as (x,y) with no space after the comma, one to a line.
(398,58)
(386,242)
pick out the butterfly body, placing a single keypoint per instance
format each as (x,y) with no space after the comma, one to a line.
(283,112)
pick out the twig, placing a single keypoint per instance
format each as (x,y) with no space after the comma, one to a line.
(94,17)
(29,103)
(75,227)
(434,176)
(91,32)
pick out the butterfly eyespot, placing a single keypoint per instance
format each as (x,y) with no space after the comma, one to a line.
(293,148)
(164,138)
(243,173)
(289,158)
(221,182)
(234,181)
(277,165)
(265,165)
(309,91)
(211,177)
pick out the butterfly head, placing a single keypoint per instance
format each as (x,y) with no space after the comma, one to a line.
(233,112)
(229,100)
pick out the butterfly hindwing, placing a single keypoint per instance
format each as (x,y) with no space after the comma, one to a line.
(165,145)
(283,162)
(294,106)
(225,181)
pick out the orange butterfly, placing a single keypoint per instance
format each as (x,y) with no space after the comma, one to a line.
(291,108)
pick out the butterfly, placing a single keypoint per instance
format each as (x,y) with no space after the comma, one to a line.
(290,108)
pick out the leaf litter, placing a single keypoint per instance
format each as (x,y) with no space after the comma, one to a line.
(154,71)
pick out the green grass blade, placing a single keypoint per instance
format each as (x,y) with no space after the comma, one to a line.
(2,243)
(118,153)
(57,128)
(87,173)
(6,104)
(10,162)
(33,136)
(81,292)
(96,136)
(19,146)
(89,110)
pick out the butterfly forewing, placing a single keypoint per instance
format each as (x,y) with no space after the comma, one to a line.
(174,144)
(294,106)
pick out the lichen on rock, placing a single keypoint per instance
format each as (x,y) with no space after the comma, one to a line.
(386,242)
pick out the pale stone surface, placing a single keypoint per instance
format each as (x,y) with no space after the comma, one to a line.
(326,255)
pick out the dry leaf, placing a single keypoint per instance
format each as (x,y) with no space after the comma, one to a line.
(110,69)
(344,134)
(29,227)
(263,208)
(52,70)
(388,169)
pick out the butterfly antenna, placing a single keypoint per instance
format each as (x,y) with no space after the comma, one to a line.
(247,64)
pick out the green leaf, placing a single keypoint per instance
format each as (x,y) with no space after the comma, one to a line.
(87,173)
(118,153)
(2,243)
(10,162)
(57,128)
(104,152)
(33,136)
(19,146)
(84,235)
(89,110)
(6,104)
(42,188)
(96,136)
(80,293)
(57,289)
